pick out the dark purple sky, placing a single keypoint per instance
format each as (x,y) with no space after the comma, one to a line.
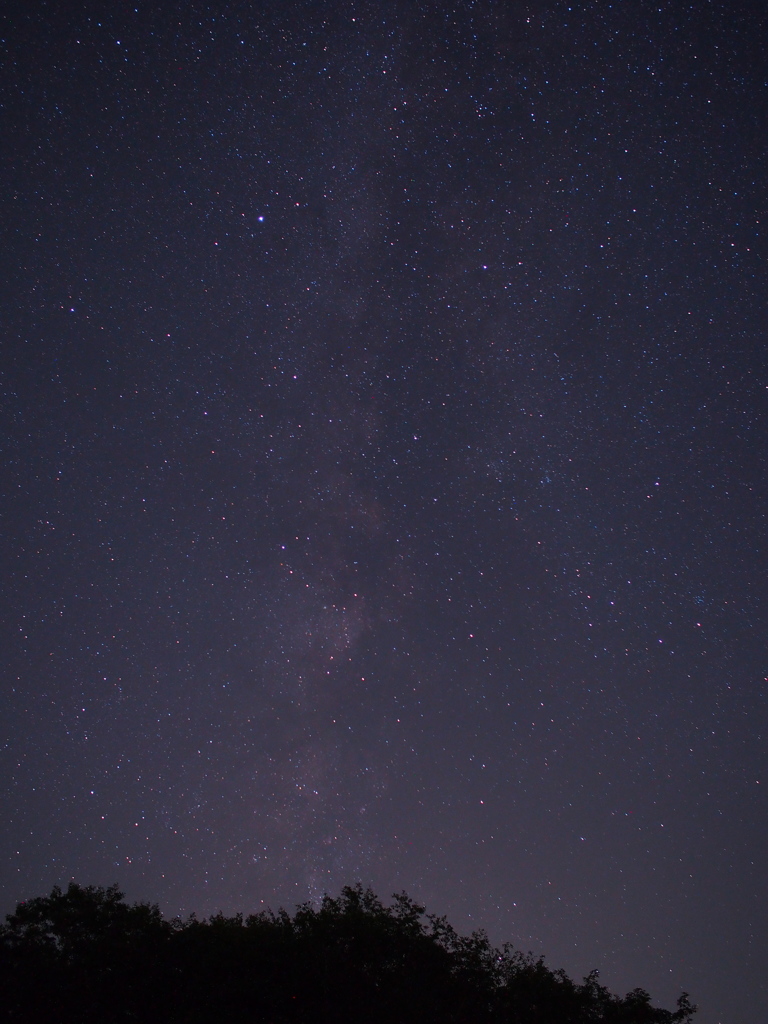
(384,424)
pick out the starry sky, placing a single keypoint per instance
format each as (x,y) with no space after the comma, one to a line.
(384,436)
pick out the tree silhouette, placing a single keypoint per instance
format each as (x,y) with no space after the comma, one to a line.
(81,954)
(85,956)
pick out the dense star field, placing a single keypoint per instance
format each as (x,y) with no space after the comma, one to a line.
(384,431)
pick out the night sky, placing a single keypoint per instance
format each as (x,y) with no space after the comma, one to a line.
(384,492)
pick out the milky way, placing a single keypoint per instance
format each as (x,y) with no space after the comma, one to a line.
(384,394)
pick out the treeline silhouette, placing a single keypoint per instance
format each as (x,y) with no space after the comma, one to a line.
(85,956)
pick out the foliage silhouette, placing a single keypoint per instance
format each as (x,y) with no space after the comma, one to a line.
(85,956)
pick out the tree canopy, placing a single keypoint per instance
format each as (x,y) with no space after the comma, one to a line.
(84,955)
